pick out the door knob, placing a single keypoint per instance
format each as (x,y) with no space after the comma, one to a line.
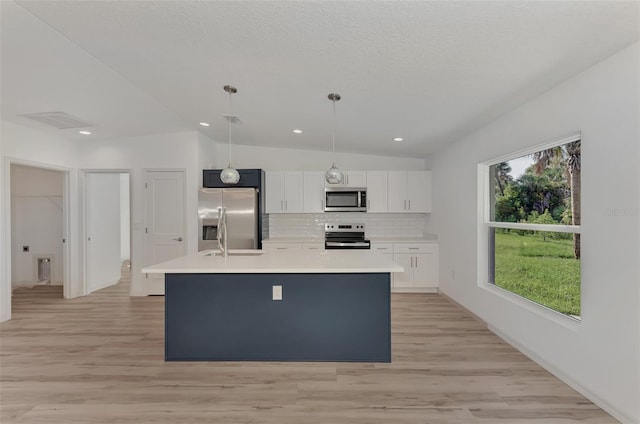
(177,239)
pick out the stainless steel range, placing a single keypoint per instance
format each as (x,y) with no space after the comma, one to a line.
(345,236)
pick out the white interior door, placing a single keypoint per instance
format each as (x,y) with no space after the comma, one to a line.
(102,194)
(165,225)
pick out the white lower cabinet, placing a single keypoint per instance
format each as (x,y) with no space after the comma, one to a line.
(420,262)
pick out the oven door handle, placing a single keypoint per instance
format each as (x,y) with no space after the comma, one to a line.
(340,244)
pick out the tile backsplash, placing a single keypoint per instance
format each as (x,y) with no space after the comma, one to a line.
(376,224)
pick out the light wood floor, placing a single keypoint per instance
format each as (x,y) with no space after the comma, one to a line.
(99,359)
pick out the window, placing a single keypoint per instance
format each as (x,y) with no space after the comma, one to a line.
(532,222)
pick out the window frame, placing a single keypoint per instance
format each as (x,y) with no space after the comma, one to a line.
(486,256)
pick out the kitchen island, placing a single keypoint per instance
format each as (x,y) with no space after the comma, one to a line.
(278,306)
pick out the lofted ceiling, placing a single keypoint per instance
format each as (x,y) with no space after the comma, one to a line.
(427,71)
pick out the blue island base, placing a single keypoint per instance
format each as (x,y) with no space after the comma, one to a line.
(321,317)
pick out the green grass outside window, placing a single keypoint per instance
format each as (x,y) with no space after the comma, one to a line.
(543,271)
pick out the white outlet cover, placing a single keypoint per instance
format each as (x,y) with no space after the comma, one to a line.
(277,292)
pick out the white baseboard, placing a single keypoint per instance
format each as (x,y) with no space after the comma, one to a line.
(618,415)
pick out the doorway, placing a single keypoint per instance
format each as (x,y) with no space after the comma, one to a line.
(38,216)
(165,235)
(107,227)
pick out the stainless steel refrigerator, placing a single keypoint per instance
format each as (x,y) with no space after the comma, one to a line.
(242,217)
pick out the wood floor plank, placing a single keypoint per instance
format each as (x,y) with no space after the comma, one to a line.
(100,359)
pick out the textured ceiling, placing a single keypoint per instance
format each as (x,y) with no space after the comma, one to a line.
(426,71)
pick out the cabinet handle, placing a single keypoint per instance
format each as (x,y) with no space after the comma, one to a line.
(409,204)
(286,205)
(414,248)
(282,205)
(416,262)
(281,248)
(412,262)
(405,205)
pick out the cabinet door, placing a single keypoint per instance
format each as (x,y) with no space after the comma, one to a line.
(274,192)
(403,279)
(422,270)
(356,179)
(397,191)
(293,192)
(418,191)
(377,191)
(313,192)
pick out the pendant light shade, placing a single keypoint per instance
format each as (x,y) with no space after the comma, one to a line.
(230,175)
(334,175)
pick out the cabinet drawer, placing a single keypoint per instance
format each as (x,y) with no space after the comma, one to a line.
(313,246)
(414,248)
(281,245)
(382,247)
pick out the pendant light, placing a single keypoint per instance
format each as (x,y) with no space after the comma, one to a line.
(230,175)
(333,174)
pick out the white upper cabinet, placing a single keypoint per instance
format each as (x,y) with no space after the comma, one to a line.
(377,191)
(409,191)
(397,191)
(284,192)
(387,191)
(313,192)
(352,179)
(356,179)
(419,191)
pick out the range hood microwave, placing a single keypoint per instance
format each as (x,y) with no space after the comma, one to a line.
(345,199)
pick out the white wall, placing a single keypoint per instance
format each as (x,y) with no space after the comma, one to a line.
(32,147)
(599,356)
(103,229)
(5,277)
(175,151)
(36,222)
(278,159)
(207,153)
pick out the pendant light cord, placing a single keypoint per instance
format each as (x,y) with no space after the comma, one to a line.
(334,133)
(229,124)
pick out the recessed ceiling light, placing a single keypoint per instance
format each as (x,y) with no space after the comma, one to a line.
(297,131)
(85,132)
(398,139)
(204,124)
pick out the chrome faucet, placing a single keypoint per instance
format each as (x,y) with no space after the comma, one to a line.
(222,231)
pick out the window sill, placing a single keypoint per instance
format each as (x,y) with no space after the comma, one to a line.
(570,322)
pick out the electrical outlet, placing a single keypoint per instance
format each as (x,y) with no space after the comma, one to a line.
(277,292)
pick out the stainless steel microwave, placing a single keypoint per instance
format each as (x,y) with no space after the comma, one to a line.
(345,199)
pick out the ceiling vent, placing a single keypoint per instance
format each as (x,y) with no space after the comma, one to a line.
(59,120)
(233,119)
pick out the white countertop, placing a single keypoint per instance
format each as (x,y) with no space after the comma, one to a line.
(427,238)
(273,262)
(294,240)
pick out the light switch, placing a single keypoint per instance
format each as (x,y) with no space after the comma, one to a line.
(277,292)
